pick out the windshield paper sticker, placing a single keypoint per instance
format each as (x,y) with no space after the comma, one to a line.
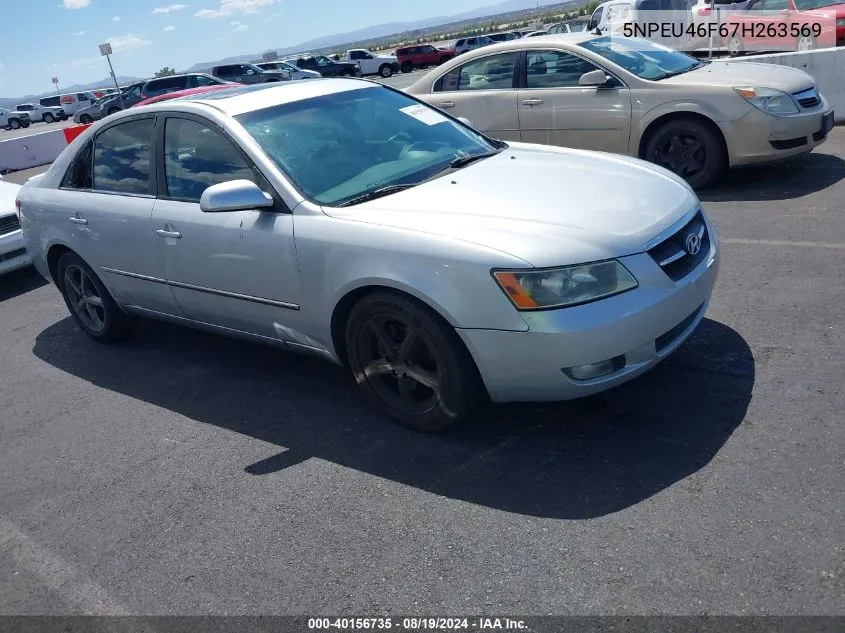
(428,116)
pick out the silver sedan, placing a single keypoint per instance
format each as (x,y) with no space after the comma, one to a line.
(345,219)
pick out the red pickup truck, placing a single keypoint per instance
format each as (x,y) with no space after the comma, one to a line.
(410,57)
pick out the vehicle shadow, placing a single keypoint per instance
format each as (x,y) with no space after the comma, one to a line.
(574,460)
(793,178)
(19,282)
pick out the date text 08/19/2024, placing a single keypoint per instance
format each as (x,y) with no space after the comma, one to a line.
(416,624)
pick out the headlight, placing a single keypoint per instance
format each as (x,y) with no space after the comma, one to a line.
(565,286)
(768,100)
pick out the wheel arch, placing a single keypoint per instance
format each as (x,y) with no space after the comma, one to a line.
(675,115)
(54,254)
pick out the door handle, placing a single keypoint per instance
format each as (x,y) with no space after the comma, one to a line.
(75,220)
(174,234)
(532,102)
(446,104)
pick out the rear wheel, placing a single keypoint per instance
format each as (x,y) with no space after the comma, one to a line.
(385,71)
(48,118)
(85,119)
(113,111)
(14,124)
(407,67)
(688,148)
(412,363)
(90,304)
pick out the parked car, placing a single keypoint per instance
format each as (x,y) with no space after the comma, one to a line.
(13,253)
(631,96)
(373,64)
(69,102)
(348,220)
(90,113)
(126,98)
(190,92)
(504,37)
(295,73)
(786,25)
(248,74)
(705,11)
(466,44)
(411,57)
(39,113)
(172,83)
(13,120)
(575,26)
(536,33)
(326,66)
(614,16)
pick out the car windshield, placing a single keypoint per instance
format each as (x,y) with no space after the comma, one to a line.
(641,57)
(342,146)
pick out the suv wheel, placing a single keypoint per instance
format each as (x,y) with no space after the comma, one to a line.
(407,67)
(48,118)
(385,71)
(14,124)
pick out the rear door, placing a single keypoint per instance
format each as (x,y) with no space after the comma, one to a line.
(555,110)
(484,91)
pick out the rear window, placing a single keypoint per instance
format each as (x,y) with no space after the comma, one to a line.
(50,102)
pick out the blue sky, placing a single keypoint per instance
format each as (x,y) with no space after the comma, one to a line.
(40,39)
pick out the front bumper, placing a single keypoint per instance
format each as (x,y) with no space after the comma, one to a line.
(758,137)
(638,328)
(13,254)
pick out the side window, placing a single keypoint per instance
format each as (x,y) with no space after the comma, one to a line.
(471,41)
(122,157)
(78,175)
(134,91)
(776,5)
(596,19)
(555,69)
(196,157)
(488,73)
(460,42)
(82,97)
(202,80)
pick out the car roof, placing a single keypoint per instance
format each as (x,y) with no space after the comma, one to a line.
(240,100)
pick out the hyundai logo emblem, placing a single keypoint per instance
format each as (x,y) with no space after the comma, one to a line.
(693,243)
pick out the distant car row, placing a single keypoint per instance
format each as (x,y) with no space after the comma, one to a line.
(25,114)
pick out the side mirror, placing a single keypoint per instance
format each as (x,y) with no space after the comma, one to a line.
(235,195)
(250,72)
(465,121)
(595,78)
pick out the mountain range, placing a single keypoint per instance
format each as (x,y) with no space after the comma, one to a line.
(9,102)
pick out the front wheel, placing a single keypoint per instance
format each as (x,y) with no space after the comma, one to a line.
(48,118)
(688,148)
(385,71)
(412,363)
(735,47)
(90,304)
(85,119)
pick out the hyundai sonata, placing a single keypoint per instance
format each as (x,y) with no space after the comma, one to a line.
(345,219)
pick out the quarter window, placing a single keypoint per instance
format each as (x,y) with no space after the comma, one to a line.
(78,175)
(555,69)
(488,73)
(122,158)
(196,157)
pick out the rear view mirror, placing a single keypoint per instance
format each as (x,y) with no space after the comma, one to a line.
(235,195)
(595,78)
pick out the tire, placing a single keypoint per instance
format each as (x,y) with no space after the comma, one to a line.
(689,148)
(113,111)
(805,43)
(85,119)
(14,124)
(347,73)
(435,382)
(48,118)
(735,47)
(90,303)
(26,124)
(407,67)
(385,71)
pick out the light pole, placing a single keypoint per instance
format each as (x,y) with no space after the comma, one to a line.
(56,84)
(105,51)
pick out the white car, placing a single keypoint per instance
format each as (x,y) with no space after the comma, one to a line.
(38,113)
(295,73)
(13,253)
(13,120)
(354,222)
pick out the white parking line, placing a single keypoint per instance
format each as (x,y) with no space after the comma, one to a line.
(58,575)
(736,240)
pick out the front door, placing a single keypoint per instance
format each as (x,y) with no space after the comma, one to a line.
(238,269)
(555,110)
(483,91)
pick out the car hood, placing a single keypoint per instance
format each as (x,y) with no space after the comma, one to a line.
(734,74)
(8,193)
(548,206)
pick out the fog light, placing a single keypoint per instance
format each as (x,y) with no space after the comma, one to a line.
(595,370)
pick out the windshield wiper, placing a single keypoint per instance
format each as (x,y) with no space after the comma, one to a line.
(463,161)
(675,73)
(376,193)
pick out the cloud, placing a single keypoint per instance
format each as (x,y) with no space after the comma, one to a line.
(240,28)
(125,43)
(169,28)
(234,23)
(79,34)
(234,7)
(115,19)
(75,4)
(169,9)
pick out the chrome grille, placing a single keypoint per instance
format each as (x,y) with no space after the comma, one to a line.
(673,254)
(808,98)
(9,223)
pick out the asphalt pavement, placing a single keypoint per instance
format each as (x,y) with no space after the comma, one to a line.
(186,473)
